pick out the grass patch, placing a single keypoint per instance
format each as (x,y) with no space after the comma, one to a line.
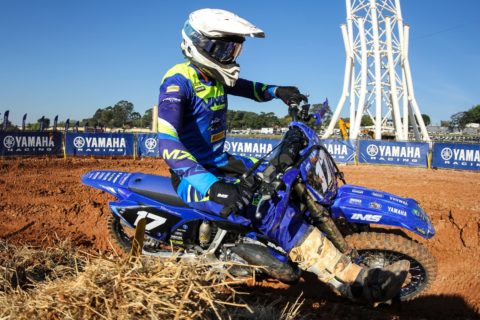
(62,283)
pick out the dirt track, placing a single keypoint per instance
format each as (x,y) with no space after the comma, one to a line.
(43,198)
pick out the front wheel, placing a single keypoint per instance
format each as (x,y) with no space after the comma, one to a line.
(377,250)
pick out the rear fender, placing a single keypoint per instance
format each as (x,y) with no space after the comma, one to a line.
(362,205)
(113,182)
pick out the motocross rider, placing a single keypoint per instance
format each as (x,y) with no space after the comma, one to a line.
(192,125)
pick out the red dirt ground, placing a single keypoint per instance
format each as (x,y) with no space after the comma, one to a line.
(43,199)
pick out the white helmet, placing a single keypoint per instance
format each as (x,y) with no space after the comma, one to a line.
(212,40)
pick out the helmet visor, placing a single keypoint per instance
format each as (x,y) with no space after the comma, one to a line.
(222,50)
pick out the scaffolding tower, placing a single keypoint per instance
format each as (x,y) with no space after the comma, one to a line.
(378,80)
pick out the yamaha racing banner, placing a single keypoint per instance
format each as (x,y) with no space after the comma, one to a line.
(456,156)
(342,151)
(99,144)
(256,148)
(393,153)
(30,143)
(147,145)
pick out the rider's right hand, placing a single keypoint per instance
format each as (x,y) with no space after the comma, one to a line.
(235,197)
(290,95)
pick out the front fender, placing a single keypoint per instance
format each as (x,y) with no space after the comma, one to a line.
(362,205)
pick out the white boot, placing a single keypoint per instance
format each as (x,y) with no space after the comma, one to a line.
(317,254)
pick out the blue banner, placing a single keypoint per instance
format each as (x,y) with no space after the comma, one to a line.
(99,144)
(147,145)
(456,156)
(257,148)
(30,143)
(343,151)
(393,153)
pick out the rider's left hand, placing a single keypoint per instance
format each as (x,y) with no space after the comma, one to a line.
(234,197)
(290,95)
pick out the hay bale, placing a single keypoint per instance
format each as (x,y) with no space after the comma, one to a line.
(81,286)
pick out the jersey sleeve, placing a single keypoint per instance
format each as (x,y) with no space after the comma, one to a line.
(175,94)
(253,90)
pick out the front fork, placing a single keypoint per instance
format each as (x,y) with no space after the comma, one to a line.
(322,220)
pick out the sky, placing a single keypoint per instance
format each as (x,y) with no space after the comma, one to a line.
(70,58)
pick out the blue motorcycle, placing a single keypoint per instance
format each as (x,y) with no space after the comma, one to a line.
(363,223)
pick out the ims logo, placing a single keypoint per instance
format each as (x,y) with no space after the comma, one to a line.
(367,217)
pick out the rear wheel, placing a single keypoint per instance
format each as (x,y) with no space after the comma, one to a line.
(377,250)
(123,237)
(119,236)
(283,271)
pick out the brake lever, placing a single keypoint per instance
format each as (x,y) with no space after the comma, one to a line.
(265,197)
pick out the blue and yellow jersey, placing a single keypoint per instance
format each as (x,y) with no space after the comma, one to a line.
(192,122)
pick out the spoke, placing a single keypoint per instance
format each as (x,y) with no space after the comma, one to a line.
(383,257)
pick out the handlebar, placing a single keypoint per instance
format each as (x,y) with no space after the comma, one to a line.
(268,182)
(302,112)
(299,113)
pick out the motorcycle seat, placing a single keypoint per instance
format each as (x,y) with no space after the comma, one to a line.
(157,188)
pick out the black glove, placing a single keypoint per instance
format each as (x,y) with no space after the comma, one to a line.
(235,197)
(290,95)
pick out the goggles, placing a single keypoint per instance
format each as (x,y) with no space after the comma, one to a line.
(222,50)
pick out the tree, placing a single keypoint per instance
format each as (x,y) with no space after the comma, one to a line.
(458,121)
(285,121)
(366,121)
(147,117)
(472,115)
(46,122)
(121,113)
(444,123)
(104,116)
(135,119)
(426,119)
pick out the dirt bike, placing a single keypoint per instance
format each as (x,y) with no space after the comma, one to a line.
(299,169)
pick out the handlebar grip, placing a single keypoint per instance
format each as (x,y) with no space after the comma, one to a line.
(293,103)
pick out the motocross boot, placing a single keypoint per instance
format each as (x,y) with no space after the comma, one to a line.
(315,253)
(377,285)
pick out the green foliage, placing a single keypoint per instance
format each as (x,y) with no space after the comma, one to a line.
(9,126)
(46,122)
(457,121)
(252,120)
(473,115)
(246,119)
(285,121)
(103,116)
(366,121)
(36,125)
(460,119)
(147,118)
(426,119)
(121,115)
